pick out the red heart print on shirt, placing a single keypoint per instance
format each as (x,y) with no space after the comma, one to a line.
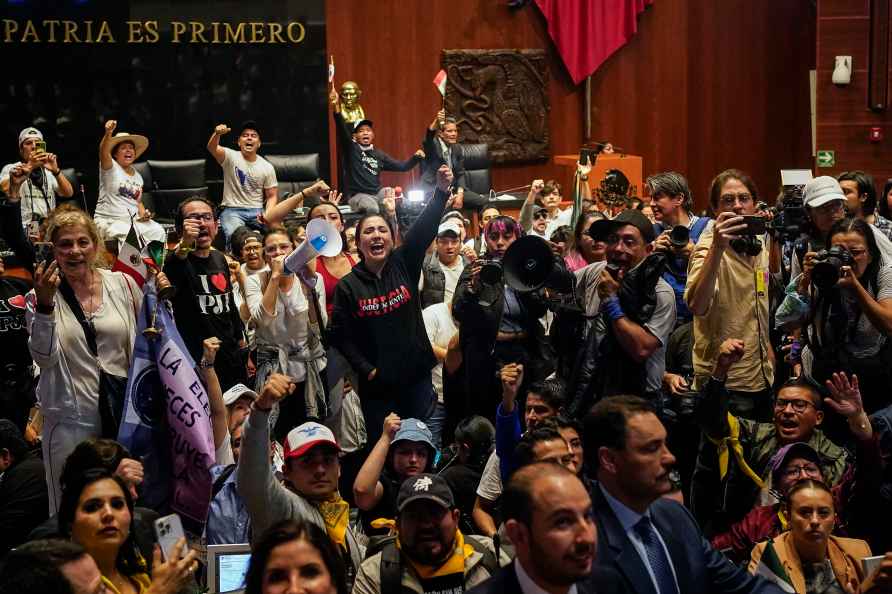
(17,301)
(219,281)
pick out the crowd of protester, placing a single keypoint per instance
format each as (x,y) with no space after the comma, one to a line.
(686,403)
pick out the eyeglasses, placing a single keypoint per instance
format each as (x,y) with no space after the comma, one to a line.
(799,405)
(540,215)
(731,199)
(204,216)
(251,248)
(614,239)
(807,469)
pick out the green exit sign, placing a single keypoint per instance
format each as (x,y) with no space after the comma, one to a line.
(826,158)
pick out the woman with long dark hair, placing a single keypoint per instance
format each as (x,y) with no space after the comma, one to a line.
(96,512)
(294,556)
(377,323)
(848,322)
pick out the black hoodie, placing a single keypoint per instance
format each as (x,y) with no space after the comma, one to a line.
(376,322)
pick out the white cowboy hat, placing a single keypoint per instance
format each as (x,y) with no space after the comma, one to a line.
(140,142)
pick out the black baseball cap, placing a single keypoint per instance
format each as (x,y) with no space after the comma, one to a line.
(362,123)
(249,125)
(431,487)
(599,230)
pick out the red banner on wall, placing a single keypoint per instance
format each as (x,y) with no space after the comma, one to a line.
(587,32)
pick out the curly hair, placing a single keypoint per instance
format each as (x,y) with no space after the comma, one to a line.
(68,216)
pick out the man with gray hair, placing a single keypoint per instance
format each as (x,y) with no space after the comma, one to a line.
(677,230)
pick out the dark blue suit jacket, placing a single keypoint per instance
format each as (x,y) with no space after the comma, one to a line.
(698,566)
(602,581)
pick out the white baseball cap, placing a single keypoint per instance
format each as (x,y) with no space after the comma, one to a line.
(238,391)
(821,190)
(307,436)
(29,133)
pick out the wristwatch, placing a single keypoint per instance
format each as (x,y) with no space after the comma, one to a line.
(205,364)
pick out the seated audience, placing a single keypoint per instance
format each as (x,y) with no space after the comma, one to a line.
(548,517)
(651,540)
(96,511)
(51,565)
(474,439)
(311,469)
(732,466)
(812,559)
(294,556)
(429,553)
(23,493)
(405,449)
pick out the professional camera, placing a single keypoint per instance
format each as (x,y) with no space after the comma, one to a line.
(790,220)
(490,272)
(679,236)
(826,270)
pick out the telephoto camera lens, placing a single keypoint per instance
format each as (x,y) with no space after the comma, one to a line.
(491,272)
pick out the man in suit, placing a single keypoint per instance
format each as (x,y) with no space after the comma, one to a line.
(652,541)
(548,517)
(441,147)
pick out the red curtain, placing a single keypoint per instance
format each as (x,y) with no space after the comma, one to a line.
(587,32)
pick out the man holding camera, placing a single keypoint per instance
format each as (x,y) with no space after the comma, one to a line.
(727,291)
(677,229)
(37,179)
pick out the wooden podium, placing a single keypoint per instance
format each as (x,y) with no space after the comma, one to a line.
(631,165)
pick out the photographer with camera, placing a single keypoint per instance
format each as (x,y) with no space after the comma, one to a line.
(727,292)
(677,229)
(498,325)
(844,299)
(37,179)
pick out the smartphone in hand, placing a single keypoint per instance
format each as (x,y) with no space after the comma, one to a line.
(168,530)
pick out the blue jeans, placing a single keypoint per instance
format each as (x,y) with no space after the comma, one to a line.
(436,422)
(234,217)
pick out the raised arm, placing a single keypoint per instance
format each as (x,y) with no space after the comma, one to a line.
(40,315)
(526,210)
(105,156)
(213,145)
(388,163)
(508,429)
(219,418)
(367,488)
(423,232)
(712,413)
(276,213)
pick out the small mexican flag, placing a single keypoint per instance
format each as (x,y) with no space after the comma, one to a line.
(440,82)
(771,568)
(130,259)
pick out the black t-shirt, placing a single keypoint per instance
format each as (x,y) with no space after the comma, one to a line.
(204,306)
(386,507)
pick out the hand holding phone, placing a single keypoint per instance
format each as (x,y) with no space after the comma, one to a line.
(168,530)
(43,250)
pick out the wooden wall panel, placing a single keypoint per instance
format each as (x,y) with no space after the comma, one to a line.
(843,118)
(703,86)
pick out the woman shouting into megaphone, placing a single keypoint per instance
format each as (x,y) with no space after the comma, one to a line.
(287,333)
(377,323)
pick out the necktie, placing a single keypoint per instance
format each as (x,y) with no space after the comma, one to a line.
(656,556)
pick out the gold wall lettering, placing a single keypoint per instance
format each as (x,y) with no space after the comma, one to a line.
(151,31)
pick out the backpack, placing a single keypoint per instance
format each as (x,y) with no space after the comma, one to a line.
(391,564)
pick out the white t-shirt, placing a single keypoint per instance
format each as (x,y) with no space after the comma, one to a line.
(490,486)
(440,330)
(37,198)
(244,181)
(563,218)
(118,193)
(452,273)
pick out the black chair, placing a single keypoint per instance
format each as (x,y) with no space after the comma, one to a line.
(173,182)
(477,164)
(146,172)
(295,173)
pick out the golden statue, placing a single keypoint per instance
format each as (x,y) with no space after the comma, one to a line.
(350,107)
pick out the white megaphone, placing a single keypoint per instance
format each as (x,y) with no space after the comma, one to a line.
(322,240)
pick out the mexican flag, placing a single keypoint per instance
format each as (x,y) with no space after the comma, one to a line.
(440,82)
(771,568)
(130,258)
